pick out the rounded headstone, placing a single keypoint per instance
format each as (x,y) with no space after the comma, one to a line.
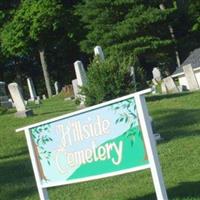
(156,74)
(98,52)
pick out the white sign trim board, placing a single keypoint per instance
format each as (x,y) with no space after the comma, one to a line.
(148,138)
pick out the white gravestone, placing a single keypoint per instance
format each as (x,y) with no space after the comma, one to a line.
(12,103)
(156,74)
(81,77)
(44,97)
(132,75)
(56,86)
(4,101)
(154,81)
(31,89)
(170,85)
(190,77)
(153,89)
(38,101)
(18,99)
(98,52)
(80,73)
(163,88)
(182,88)
(75,88)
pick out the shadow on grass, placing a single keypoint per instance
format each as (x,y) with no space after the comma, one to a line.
(178,120)
(34,106)
(7,112)
(185,190)
(24,151)
(17,179)
(17,182)
(166,96)
(57,112)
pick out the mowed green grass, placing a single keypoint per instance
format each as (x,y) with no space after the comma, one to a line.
(176,118)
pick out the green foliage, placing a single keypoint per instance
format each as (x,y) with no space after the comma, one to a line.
(126,117)
(33,28)
(33,22)
(41,138)
(14,41)
(7,8)
(108,79)
(129,117)
(133,27)
(194,10)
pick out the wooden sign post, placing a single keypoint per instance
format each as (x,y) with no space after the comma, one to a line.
(101,141)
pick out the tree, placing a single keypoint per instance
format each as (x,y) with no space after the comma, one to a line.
(172,33)
(34,25)
(194,10)
(185,21)
(6,10)
(136,27)
(111,78)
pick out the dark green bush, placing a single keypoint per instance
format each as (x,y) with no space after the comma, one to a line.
(109,79)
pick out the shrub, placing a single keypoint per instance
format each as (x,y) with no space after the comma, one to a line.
(108,79)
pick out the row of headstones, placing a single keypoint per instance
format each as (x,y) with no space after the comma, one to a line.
(32,91)
(168,85)
(17,100)
(191,78)
(20,103)
(81,80)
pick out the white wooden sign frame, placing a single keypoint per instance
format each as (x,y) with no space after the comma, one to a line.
(148,138)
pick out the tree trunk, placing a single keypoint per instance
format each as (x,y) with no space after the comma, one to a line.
(1,74)
(45,71)
(171,30)
(18,74)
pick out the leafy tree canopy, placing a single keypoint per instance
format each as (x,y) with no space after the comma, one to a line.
(33,23)
(131,25)
(194,12)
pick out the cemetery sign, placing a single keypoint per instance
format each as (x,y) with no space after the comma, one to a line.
(108,139)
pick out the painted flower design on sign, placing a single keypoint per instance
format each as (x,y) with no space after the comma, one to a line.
(41,139)
(127,114)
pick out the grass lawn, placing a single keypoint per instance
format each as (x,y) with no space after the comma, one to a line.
(177,119)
